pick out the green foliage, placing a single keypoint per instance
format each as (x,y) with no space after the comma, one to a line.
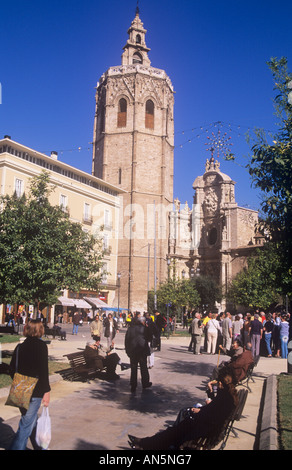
(285,411)
(271,170)
(210,292)
(258,284)
(41,251)
(197,293)
(178,293)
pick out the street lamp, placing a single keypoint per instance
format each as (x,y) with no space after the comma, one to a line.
(167,307)
(119,285)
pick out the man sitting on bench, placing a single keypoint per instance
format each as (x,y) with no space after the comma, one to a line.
(239,363)
(96,358)
(205,421)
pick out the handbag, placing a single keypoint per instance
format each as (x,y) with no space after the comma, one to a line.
(21,389)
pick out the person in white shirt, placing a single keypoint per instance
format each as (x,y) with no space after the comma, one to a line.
(212,329)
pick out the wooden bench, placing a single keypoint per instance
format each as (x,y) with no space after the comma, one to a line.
(245,382)
(80,370)
(51,332)
(7,329)
(221,436)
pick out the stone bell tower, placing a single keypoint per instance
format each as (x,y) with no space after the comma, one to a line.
(133,149)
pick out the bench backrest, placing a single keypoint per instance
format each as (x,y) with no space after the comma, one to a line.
(76,359)
(237,413)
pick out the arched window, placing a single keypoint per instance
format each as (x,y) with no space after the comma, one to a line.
(149,115)
(138,39)
(122,113)
(137,58)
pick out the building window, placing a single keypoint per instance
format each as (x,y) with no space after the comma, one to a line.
(107,220)
(120,176)
(137,58)
(149,115)
(63,202)
(138,39)
(87,214)
(18,187)
(105,241)
(104,273)
(122,113)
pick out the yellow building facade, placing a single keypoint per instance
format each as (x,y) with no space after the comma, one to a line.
(89,201)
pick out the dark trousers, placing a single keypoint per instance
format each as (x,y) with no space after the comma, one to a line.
(172,437)
(110,362)
(142,362)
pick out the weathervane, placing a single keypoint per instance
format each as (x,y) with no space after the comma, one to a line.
(219,143)
(137,8)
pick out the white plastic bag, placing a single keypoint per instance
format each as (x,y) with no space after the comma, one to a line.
(43,431)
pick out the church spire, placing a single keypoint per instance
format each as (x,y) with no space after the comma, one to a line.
(136,51)
(137,8)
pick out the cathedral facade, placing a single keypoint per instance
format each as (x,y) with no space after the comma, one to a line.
(133,149)
(215,236)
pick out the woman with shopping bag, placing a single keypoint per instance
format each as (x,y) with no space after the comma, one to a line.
(32,361)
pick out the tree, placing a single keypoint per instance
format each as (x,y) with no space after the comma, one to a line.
(177,293)
(41,251)
(271,170)
(258,284)
(209,291)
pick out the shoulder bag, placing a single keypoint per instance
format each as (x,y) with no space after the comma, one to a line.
(21,389)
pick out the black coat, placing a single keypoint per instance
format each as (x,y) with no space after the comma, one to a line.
(33,361)
(137,338)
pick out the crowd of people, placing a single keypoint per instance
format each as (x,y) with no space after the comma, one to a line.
(242,337)
(268,334)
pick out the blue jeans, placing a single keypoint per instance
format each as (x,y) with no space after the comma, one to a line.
(27,426)
(268,337)
(284,346)
(75,329)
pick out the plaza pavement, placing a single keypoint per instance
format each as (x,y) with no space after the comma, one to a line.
(99,415)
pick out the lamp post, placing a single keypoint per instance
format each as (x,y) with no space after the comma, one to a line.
(167,307)
(119,285)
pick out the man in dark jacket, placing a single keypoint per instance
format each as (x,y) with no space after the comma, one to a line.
(137,348)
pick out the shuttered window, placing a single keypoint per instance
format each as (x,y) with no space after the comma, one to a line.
(122,113)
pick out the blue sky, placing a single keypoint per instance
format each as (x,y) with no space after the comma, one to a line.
(53,53)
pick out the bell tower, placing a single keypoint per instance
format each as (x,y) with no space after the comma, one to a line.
(133,149)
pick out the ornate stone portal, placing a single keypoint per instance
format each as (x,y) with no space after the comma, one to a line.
(222,234)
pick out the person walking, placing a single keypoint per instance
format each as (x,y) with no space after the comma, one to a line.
(227,330)
(110,330)
(33,362)
(246,325)
(284,336)
(96,326)
(256,333)
(236,328)
(197,330)
(160,324)
(152,334)
(268,330)
(137,341)
(212,332)
(76,321)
